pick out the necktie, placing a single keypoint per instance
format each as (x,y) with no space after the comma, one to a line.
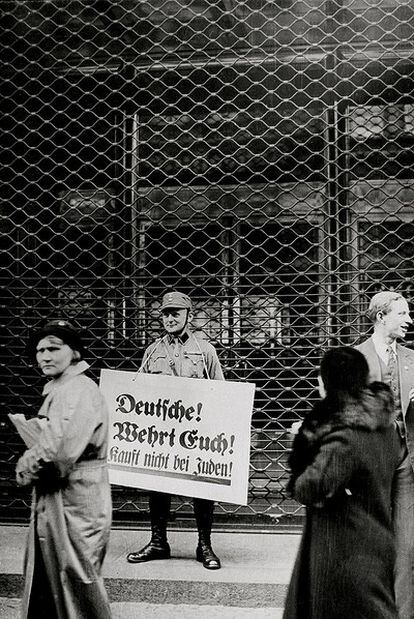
(392,367)
(395,388)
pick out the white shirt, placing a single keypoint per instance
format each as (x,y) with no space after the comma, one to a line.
(382,347)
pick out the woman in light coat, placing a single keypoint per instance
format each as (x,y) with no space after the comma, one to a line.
(71,507)
(342,464)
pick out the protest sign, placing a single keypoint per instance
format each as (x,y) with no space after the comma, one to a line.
(183,436)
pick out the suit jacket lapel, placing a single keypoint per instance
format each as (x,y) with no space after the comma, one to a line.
(373,360)
(406,371)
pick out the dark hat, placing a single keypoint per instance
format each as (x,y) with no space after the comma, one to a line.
(176,300)
(61,329)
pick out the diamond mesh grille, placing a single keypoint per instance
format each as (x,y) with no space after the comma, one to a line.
(256,155)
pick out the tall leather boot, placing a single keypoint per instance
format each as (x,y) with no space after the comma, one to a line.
(203,511)
(158,547)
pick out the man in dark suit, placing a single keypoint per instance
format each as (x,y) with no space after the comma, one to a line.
(393,364)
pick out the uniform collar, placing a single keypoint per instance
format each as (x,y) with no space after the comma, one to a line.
(70,372)
(182,338)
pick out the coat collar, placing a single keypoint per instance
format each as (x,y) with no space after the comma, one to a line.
(373,411)
(68,374)
(400,349)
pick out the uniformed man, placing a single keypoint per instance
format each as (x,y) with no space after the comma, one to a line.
(179,353)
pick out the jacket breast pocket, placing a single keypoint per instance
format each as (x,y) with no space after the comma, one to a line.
(159,364)
(193,365)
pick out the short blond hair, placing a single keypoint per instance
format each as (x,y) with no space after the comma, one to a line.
(381,302)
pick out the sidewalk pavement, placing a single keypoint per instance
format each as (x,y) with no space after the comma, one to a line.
(252,582)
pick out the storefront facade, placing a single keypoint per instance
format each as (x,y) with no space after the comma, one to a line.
(257,156)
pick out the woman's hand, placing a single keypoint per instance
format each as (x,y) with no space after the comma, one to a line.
(25,479)
(27,469)
(294,428)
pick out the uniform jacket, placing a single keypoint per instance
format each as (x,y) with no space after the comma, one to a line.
(71,507)
(405,358)
(187,356)
(342,466)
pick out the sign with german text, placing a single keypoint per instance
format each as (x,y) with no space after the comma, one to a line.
(184,436)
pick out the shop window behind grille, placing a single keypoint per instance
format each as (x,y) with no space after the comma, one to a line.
(257,155)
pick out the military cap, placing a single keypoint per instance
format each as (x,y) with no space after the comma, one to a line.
(176,300)
(61,329)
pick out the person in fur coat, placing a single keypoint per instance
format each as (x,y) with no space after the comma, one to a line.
(342,464)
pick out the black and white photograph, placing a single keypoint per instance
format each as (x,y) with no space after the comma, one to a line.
(206,309)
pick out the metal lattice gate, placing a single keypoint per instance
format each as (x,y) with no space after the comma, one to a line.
(256,155)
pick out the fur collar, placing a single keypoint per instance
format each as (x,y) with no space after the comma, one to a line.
(373,411)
